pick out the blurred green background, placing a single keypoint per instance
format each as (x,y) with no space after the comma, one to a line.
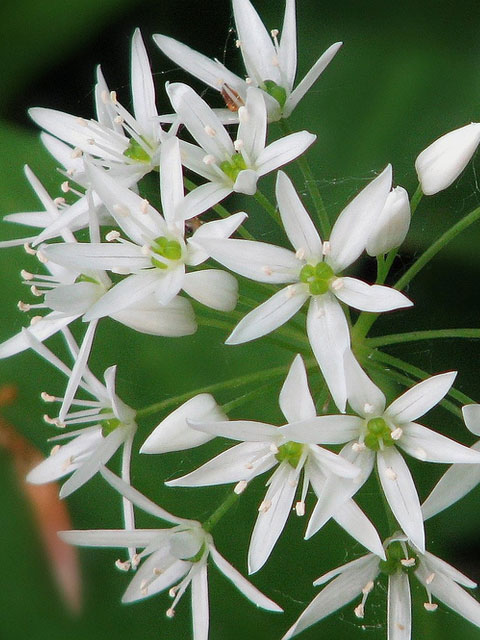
(407,73)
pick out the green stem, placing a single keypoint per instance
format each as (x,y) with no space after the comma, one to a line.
(312,187)
(415,336)
(265,203)
(220,511)
(246,397)
(439,244)
(414,202)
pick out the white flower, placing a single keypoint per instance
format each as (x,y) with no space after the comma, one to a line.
(392,225)
(460,479)
(357,578)
(157,251)
(120,141)
(271,64)
(375,435)
(444,160)
(313,271)
(263,447)
(174,559)
(232,166)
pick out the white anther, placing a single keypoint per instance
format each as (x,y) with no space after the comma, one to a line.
(274,33)
(157,571)
(430,578)
(326,248)
(112,236)
(29,250)
(368,408)
(337,284)
(248,80)
(240,487)
(243,114)
(47,397)
(170,613)
(55,450)
(407,562)
(265,506)
(34,320)
(238,145)
(300,508)
(26,275)
(59,424)
(358,446)
(82,122)
(123,565)
(300,253)
(42,257)
(172,592)
(23,306)
(210,131)
(267,270)
(397,433)
(113,96)
(118,120)
(359,611)
(238,43)
(59,201)
(65,187)
(421,453)
(144,206)
(430,606)
(35,291)
(76,153)
(121,209)
(48,419)
(136,560)
(390,473)
(273,448)
(209,159)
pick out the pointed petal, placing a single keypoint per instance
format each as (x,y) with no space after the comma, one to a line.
(202,198)
(401,494)
(270,315)
(42,329)
(425,444)
(246,182)
(247,430)
(73,298)
(392,226)
(471,416)
(329,337)
(287,51)
(212,287)
(295,398)
(242,584)
(143,90)
(200,612)
(370,297)
(252,130)
(421,398)
(353,226)
(298,225)
(171,182)
(364,396)
(440,566)
(283,150)
(351,518)
(80,256)
(215,229)
(310,78)
(169,284)
(324,429)
(147,316)
(110,537)
(174,434)
(172,571)
(399,612)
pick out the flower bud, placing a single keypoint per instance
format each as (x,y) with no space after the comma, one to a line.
(444,160)
(392,224)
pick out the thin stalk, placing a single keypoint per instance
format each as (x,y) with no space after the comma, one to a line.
(415,336)
(265,203)
(414,202)
(220,511)
(246,397)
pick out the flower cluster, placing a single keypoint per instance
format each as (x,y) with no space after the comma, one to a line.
(152,265)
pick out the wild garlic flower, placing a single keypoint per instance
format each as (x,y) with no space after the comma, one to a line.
(373,437)
(270,62)
(357,579)
(264,447)
(231,165)
(173,559)
(314,272)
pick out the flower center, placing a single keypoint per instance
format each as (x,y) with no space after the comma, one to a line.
(396,560)
(378,432)
(276,91)
(233,166)
(136,152)
(291,452)
(165,248)
(109,425)
(318,277)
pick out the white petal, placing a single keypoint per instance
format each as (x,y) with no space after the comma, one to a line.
(247,430)
(425,444)
(329,462)
(215,229)
(202,198)
(41,330)
(364,396)
(110,537)
(353,226)
(270,315)
(81,256)
(212,287)
(252,129)
(241,462)
(459,480)
(401,494)
(172,570)
(174,434)
(255,260)
(271,520)
(200,612)
(440,566)
(310,78)
(295,398)
(421,398)
(73,298)
(284,150)
(242,584)
(399,612)
(287,51)
(246,182)
(370,297)
(324,429)
(471,416)
(392,226)
(298,225)
(171,181)
(351,518)
(444,160)
(143,90)
(329,337)
(147,316)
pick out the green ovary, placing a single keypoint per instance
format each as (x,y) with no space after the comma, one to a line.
(318,277)
(291,452)
(233,166)
(276,91)
(83,278)
(395,554)
(136,152)
(109,425)
(165,248)
(378,432)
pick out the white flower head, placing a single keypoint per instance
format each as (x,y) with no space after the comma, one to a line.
(270,62)
(443,161)
(392,225)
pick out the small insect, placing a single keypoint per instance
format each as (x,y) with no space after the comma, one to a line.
(232,99)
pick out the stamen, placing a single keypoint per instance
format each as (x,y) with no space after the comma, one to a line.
(300,508)
(34,320)
(29,250)
(238,144)
(430,606)
(112,236)
(358,446)
(170,613)
(359,611)
(300,253)
(326,248)
(65,187)
(238,43)
(36,291)
(430,578)
(123,565)
(42,257)
(55,450)
(407,562)
(248,80)
(240,487)
(23,306)
(274,33)
(397,433)
(58,202)
(136,560)
(26,275)
(337,284)
(113,97)
(46,397)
